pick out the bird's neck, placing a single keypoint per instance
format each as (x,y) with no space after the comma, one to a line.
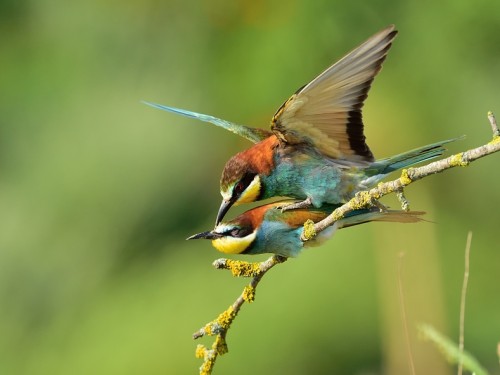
(261,155)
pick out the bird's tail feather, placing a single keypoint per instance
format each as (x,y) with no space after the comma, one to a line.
(364,216)
(409,158)
(254,135)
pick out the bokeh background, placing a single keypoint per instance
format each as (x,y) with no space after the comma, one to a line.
(99,191)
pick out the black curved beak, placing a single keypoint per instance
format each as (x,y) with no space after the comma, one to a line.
(224,207)
(204,235)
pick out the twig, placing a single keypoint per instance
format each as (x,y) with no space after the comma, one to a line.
(222,323)
(462,303)
(405,205)
(365,198)
(493,123)
(403,315)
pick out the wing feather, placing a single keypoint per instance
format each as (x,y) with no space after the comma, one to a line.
(326,113)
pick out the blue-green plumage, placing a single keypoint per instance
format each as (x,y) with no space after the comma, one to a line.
(278,238)
(316,149)
(303,173)
(268,229)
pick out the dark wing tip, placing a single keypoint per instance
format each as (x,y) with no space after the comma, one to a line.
(363,63)
(355,126)
(356,136)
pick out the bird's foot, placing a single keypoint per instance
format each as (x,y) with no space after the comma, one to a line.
(295,206)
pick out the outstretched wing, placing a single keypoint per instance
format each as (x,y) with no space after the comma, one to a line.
(326,113)
(254,135)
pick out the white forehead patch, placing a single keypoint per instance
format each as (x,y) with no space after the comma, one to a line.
(223,228)
(226,195)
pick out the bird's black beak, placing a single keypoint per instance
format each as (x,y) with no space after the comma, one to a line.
(224,207)
(205,235)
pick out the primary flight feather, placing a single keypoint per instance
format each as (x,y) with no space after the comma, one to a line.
(316,149)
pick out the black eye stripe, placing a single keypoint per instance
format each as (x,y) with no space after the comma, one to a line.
(238,232)
(244,182)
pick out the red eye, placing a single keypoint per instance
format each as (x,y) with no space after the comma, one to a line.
(239,187)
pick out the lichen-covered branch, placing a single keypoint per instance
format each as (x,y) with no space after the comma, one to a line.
(408,176)
(219,326)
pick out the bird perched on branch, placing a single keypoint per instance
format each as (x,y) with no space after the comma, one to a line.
(268,229)
(315,150)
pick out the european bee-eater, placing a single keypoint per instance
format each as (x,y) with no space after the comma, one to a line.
(315,150)
(268,229)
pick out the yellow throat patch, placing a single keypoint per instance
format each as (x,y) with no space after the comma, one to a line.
(251,193)
(234,245)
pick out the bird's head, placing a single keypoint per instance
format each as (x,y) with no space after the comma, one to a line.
(240,183)
(263,229)
(240,235)
(234,237)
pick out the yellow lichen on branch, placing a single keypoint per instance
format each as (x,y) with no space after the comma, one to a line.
(405,178)
(369,198)
(220,345)
(238,268)
(457,160)
(209,356)
(225,318)
(200,351)
(309,230)
(222,323)
(249,293)
(243,269)
(495,139)
(362,199)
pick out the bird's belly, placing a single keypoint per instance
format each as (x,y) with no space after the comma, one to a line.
(278,238)
(319,180)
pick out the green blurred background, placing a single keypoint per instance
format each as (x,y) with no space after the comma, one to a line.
(98,191)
